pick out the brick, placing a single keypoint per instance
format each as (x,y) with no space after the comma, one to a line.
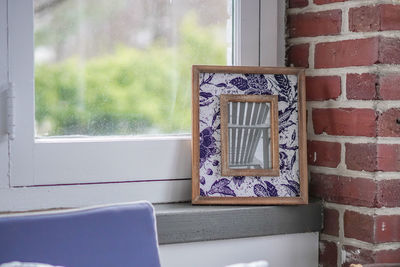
(387,256)
(389,51)
(359,226)
(298,55)
(374,18)
(364,19)
(365,256)
(315,23)
(359,52)
(354,255)
(390,17)
(331,222)
(344,121)
(387,228)
(327,253)
(298,3)
(388,157)
(325,154)
(373,157)
(323,88)
(389,123)
(388,193)
(371,228)
(323,2)
(361,157)
(361,86)
(389,87)
(344,190)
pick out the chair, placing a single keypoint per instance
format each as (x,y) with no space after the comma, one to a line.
(115,235)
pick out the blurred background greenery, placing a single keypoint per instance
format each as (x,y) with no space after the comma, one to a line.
(92,80)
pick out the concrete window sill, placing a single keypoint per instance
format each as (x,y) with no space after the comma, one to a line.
(182,222)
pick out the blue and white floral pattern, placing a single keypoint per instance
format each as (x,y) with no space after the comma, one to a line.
(212,184)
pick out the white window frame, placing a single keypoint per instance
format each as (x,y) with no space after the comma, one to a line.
(157,169)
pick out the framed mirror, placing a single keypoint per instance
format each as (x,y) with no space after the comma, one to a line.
(248,135)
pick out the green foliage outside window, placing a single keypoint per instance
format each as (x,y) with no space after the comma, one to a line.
(124,92)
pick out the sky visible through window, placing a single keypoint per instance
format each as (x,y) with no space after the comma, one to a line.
(123,67)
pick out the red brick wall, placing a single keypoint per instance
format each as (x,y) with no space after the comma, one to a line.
(351,50)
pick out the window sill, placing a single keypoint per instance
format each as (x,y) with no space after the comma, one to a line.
(182,222)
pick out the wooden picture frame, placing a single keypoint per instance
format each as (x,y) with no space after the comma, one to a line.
(209,185)
(274,155)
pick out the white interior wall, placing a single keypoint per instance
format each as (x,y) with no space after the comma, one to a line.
(300,250)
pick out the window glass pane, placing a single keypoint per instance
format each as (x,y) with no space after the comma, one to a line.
(123,67)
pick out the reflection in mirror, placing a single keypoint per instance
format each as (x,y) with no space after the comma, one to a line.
(249,132)
(249,135)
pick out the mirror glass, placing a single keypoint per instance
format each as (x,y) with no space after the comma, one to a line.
(249,135)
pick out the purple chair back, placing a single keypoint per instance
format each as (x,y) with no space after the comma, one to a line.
(116,235)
